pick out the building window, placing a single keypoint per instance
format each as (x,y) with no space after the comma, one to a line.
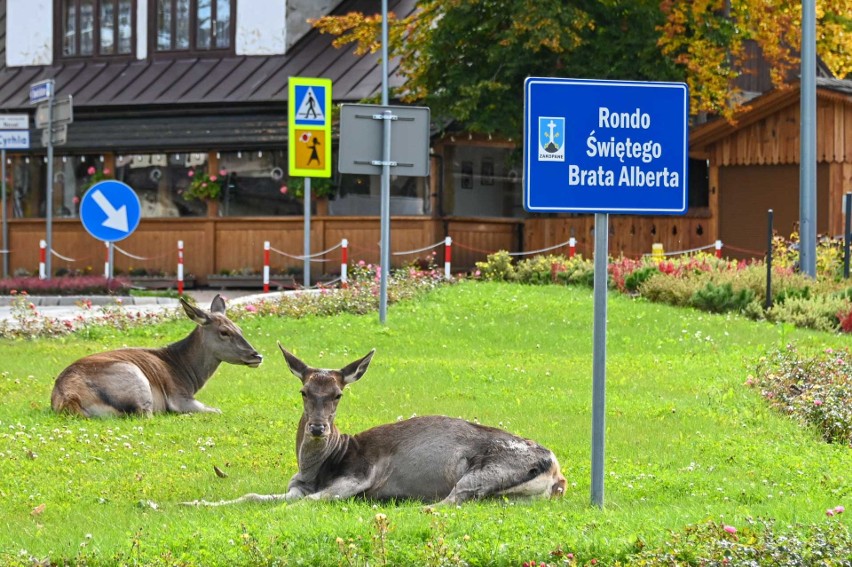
(96,28)
(193,25)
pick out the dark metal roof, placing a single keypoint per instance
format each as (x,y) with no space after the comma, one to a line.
(204,82)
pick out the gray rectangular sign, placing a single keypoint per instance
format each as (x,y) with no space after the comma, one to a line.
(361,140)
(63,112)
(60,135)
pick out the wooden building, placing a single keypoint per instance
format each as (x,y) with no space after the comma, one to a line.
(160,93)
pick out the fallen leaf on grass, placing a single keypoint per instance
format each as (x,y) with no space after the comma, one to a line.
(38,510)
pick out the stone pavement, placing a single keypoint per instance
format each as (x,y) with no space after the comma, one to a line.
(70,307)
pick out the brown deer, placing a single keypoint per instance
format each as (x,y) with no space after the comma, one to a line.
(432,458)
(154,380)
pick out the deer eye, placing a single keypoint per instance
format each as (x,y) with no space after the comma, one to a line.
(224,334)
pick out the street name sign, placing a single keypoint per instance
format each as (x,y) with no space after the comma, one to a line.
(14,121)
(309,127)
(40,91)
(595,146)
(361,132)
(14,132)
(14,139)
(63,112)
(110,210)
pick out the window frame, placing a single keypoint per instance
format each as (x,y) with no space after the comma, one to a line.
(59,36)
(192,51)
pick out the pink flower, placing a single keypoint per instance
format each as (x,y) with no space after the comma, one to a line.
(213,178)
(283,189)
(817,402)
(76,199)
(251,308)
(223,172)
(91,170)
(107,171)
(191,173)
(730,529)
(204,185)
(839,509)
(829,512)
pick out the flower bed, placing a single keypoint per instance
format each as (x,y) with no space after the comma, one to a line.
(74,285)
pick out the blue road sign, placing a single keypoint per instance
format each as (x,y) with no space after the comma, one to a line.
(110,210)
(593,146)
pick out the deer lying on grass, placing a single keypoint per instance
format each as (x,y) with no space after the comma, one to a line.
(431,458)
(154,380)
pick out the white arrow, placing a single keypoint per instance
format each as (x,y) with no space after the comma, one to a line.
(116,219)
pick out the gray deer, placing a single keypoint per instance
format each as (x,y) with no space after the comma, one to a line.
(431,458)
(154,380)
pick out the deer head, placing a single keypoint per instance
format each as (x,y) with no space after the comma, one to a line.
(220,336)
(322,390)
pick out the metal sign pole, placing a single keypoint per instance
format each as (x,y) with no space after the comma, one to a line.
(307,262)
(385,222)
(5,226)
(111,260)
(49,204)
(599,357)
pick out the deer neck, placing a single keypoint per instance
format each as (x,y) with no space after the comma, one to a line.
(313,453)
(193,364)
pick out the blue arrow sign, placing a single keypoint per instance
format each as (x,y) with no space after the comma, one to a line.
(110,210)
(594,146)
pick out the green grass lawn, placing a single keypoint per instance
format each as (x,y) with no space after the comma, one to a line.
(686,442)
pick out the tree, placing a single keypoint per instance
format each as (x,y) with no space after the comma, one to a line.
(467,59)
(708,38)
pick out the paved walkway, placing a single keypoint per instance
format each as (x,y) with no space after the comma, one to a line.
(70,307)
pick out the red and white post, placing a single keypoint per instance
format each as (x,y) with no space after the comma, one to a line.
(266,266)
(106,260)
(448,256)
(42,259)
(344,263)
(180,268)
(572,247)
(718,248)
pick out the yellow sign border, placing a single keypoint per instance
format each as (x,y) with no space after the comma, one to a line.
(294,170)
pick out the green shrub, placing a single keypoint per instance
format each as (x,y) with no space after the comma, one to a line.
(577,271)
(637,278)
(721,298)
(538,270)
(673,291)
(497,267)
(814,389)
(818,313)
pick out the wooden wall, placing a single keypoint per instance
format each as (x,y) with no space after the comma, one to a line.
(630,236)
(212,245)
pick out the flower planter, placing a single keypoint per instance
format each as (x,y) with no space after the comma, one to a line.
(161,282)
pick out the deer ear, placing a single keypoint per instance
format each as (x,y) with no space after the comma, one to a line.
(195,313)
(218,304)
(354,370)
(297,367)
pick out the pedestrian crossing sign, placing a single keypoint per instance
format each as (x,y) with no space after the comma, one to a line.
(309,127)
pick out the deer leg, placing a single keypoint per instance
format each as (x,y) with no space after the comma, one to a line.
(292,494)
(500,478)
(342,488)
(191,405)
